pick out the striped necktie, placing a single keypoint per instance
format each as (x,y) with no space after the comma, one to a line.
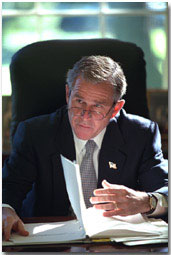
(88,175)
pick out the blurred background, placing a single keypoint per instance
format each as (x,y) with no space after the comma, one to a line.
(143,23)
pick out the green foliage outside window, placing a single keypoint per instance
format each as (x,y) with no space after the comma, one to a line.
(27,22)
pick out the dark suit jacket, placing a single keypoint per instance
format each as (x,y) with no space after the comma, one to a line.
(132,142)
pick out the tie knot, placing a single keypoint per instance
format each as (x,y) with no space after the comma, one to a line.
(90,146)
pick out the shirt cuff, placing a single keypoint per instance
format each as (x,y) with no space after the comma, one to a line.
(162,204)
(8,206)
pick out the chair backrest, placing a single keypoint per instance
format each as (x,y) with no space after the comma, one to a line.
(38,74)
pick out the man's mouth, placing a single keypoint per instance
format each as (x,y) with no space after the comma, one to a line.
(84,126)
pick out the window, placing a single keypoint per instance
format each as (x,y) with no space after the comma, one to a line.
(143,23)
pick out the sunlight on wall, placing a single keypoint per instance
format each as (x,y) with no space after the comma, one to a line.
(158,43)
(6,83)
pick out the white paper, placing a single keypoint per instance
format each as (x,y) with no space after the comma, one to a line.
(148,241)
(49,233)
(135,225)
(74,188)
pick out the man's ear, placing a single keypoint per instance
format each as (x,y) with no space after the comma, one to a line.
(67,93)
(118,107)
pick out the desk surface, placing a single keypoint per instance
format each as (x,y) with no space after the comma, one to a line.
(111,247)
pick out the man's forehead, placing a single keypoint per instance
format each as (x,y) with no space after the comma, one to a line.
(81,83)
(102,101)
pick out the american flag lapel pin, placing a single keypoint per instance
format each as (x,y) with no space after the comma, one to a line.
(112,165)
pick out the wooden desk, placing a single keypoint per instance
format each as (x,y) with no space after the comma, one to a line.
(83,248)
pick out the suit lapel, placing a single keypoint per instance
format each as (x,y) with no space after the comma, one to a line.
(113,150)
(67,147)
(64,145)
(64,142)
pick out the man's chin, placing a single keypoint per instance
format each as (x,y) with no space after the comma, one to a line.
(83,135)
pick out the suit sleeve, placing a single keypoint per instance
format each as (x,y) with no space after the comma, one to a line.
(19,171)
(153,172)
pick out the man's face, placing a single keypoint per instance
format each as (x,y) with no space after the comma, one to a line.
(94,97)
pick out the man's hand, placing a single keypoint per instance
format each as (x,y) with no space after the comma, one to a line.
(10,221)
(119,200)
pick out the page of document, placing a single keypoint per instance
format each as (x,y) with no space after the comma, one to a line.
(147,241)
(74,187)
(120,226)
(139,238)
(55,232)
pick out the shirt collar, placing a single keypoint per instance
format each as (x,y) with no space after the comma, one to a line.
(79,144)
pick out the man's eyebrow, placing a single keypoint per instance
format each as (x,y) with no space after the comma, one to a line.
(101,102)
(95,102)
(78,95)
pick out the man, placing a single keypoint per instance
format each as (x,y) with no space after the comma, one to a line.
(130,171)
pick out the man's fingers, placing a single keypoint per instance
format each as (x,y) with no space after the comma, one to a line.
(111,213)
(7,233)
(7,227)
(98,192)
(21,229)
(17,226)
(115,191)
(10,222)
(106,206)
(103,199)
(105,184)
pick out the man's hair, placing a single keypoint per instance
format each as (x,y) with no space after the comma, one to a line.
(98,69)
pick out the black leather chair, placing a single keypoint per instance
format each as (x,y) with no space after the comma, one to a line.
(38,73)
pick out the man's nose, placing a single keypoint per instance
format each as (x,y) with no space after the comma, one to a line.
(86,114)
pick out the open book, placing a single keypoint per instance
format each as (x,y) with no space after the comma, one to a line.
(90,224)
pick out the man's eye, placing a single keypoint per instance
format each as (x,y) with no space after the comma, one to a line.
(79,101)
(98,106)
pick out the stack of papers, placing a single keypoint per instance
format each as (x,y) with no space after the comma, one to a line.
(131,230)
